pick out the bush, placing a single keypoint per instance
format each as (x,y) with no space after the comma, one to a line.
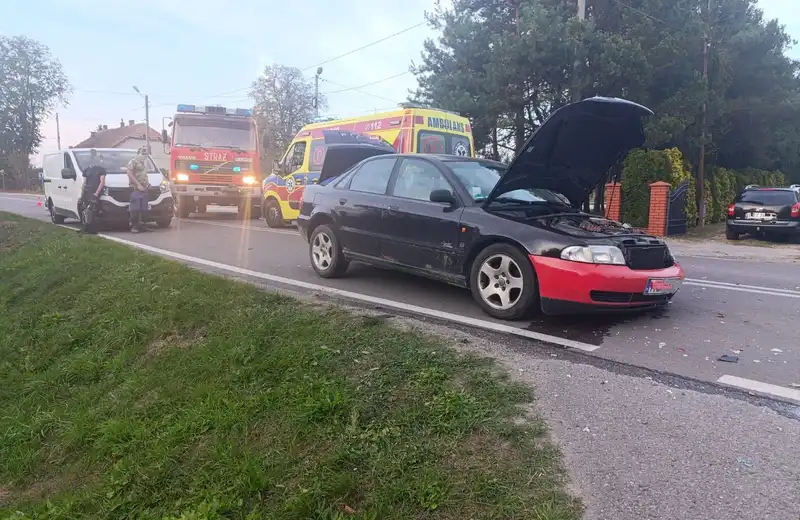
(644,167)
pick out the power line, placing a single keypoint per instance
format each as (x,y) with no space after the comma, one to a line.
(346,88)
(367,84)
(348,53)
(623,4)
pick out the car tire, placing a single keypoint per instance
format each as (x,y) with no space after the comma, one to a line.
(273,214)
(325,253)
(184,207)
(55,217)
(164,223)
(731,235)
(503,282)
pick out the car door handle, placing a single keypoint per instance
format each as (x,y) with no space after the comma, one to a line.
(342,201)
(393,209)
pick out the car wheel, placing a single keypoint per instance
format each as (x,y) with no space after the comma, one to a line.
(731,235)
(164,223)
(503,282)
(273,214)
(326,254)
(55,217)
(184,207)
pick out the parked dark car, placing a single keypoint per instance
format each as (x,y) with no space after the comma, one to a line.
(512,235)
(773,213)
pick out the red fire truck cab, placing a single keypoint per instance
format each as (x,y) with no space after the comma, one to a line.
(215,159)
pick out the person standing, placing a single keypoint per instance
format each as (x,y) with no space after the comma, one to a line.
(94,182)
(137,179)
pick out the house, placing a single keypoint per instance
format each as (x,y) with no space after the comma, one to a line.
(128,136)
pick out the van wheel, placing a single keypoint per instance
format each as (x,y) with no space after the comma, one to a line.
(273,214)
(503,282)
(55,217)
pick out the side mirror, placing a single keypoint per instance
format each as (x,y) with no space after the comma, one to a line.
(68,173)
(443,196)
(164,137)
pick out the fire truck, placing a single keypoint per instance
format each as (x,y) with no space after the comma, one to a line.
(215,159)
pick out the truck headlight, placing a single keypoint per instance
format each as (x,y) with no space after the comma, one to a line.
(609,255)
(249,179)
(182,177)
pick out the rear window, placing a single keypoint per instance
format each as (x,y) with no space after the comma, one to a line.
(318,149)
(443,143)
(768,197)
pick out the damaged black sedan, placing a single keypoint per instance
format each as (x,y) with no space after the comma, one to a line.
(511,234)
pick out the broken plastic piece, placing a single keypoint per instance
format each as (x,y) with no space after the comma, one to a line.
(728,358)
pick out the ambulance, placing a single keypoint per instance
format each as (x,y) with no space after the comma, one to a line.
(410,128)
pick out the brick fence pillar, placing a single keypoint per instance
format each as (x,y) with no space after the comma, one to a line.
(659,208)
(612,199)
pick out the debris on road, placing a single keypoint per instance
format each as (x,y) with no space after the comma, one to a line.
(745,462)
(728,358)
(794,385)
(662,345)
(776,350)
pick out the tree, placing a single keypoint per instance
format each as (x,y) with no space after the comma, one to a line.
(32,84)
(284,103)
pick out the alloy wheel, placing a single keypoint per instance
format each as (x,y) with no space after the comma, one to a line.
(500,282)
(322,251)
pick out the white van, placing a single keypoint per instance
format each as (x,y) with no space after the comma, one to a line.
(63,185)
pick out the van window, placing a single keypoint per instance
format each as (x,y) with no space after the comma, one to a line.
(68,162)
(294,157)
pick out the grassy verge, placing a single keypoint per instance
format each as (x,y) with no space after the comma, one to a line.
(134,387)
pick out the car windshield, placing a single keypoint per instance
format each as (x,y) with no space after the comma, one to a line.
(114,161)
(215,132)
(479,179)
(768,197)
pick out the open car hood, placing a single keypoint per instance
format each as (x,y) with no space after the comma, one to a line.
(574,148)
(346,149)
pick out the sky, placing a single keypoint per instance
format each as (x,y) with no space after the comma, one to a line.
(210,52)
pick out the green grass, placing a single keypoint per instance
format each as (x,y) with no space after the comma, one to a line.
(135,387)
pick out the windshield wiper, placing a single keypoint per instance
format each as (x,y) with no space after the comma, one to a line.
(192,146)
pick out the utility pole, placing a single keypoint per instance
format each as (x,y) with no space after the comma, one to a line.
(576,93)
(316,90)
(146,119)
(701,162)
(58,132)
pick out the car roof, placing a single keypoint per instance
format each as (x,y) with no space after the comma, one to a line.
(445,158)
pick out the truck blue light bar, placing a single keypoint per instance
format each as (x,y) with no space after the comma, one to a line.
(200,109)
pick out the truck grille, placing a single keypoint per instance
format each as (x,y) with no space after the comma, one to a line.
(124,194)
(648,257)
(182,165)
(212,178)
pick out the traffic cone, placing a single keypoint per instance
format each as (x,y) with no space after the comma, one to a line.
(39,201)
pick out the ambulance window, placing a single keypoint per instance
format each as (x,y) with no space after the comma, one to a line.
(459,146)
(318,149)
(294,159)
(431,143)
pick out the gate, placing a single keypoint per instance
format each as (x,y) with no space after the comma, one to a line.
(676,210)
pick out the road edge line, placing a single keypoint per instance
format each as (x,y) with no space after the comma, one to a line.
(383,302)
(741,289)
(730,284)
(758,386)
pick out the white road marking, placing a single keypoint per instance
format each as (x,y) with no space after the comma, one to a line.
(728,284)
(767,291)
(762,388)
(2,197)
(238,226)
(414,309)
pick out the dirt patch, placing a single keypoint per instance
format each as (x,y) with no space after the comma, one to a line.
(9,223)
(5,494)
(175,340)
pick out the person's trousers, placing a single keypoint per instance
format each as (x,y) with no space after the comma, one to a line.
(138,208)
(89,208)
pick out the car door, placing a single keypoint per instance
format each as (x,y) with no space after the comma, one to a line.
(360,206)
(419,233)
(72,187)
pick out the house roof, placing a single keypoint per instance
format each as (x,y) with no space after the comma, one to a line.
(113,136)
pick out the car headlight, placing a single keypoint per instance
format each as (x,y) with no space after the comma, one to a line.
(249,179)
(609,255)
(182,177)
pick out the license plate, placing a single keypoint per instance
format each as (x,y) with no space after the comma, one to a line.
(759,216)
(656,286)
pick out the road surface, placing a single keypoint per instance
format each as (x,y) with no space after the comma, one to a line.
(745,309)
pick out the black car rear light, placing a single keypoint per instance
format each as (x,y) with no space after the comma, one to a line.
(731,209)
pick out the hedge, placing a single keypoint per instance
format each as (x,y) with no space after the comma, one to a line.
(643,167)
